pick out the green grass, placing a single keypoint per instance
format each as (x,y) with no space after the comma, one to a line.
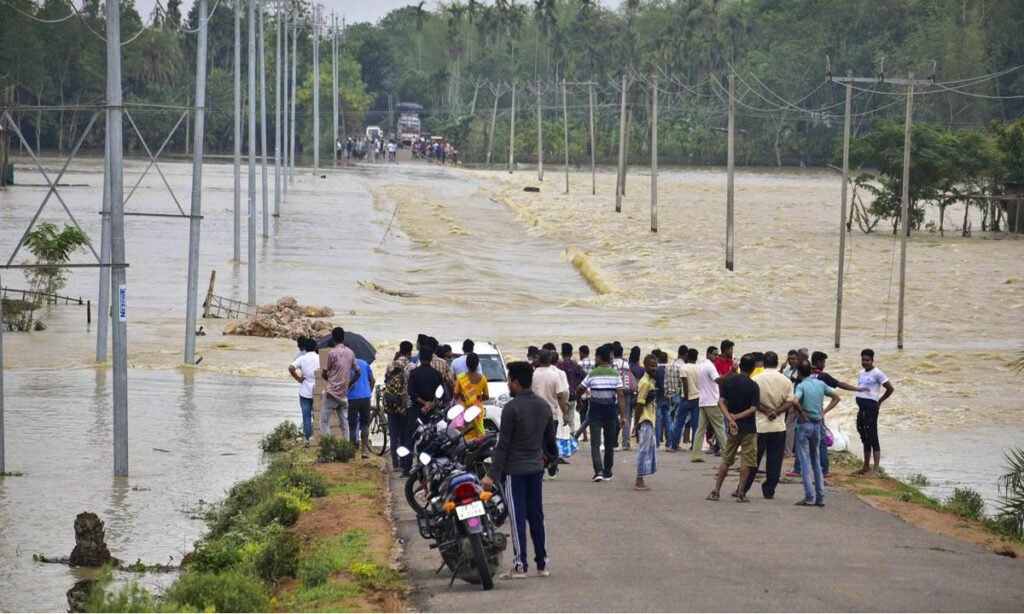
(326,557)
(875,492)
(967,503)
(845,460)
(364,488)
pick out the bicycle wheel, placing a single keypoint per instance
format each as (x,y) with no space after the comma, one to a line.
(378,432)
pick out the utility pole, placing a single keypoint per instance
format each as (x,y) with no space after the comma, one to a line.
(512,133)
(316,90)
(654,154)
(188,127)
(197,191)
(295,67)
(622,148)
(252,153)
(103,321)
(540,138)
(842,209)
(730,169)
(910,83)
(593,143)
(494,117)
(565,133)
(334,85)
(237,227)
(285,132)
(277,115)
(905,210)
(118,281)
(263,124)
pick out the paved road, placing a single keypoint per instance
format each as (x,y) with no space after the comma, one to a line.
(614,549)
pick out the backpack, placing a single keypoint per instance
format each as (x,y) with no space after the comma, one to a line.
(394,390)
(627,377)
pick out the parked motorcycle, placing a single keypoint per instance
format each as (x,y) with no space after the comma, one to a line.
(461,517)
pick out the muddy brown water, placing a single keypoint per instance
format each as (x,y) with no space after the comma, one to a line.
(400,249)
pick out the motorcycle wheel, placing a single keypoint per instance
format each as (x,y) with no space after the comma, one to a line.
(480,562)
(415,494)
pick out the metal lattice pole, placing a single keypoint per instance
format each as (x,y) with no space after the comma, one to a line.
(119,321)
(237,228)
(197,190)
(277,115)
(265,194)
(251,258)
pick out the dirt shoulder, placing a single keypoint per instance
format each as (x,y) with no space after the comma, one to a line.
(910,505)
(350,532)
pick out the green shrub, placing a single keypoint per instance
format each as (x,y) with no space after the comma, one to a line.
(278,557)
(966,502)
(283,508)
(127,598)
(309,481)
(918,479)
(333,450)
(227,591)
(280,437)
(374,577)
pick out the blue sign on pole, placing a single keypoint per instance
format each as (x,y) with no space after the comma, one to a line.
(122,304)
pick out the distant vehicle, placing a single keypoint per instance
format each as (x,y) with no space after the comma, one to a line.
(408,128)
(374,133)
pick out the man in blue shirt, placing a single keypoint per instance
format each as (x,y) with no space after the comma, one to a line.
(359,406)
(810,395)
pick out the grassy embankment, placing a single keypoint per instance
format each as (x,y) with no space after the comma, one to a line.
(961,516)
(301,536)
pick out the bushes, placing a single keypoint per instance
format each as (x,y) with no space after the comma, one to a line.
(333,450)
(283,508)
(228,591)
(1011,487)
(282,435)
(308,480)
(918,479)
(966,502)
(279,557)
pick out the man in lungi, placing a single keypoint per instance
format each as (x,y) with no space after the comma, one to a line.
(643,424)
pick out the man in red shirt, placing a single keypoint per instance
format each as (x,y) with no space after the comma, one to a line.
(724,363)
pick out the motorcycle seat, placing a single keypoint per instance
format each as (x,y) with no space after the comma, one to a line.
(459,479)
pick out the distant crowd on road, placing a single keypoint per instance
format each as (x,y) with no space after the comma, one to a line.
(376,149)
(437,151)
(756,408)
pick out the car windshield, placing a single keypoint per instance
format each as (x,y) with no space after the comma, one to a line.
(492,368)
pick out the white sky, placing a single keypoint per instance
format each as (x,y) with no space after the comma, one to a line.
(353,10)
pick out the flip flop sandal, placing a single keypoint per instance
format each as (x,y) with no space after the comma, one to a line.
(714,496)
(805,503)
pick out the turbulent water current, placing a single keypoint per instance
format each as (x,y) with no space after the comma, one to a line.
(401,249)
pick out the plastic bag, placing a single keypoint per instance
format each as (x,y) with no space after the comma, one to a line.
(567,444)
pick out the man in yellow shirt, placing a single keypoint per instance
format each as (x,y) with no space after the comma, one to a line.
(643,426)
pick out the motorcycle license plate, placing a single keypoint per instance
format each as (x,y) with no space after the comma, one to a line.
(472,510)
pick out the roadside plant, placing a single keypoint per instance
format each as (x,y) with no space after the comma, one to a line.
(51,247)
(282,435)
(1011,488)
(966,502)
(334,450)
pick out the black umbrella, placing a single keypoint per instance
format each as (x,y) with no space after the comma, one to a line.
(355,342)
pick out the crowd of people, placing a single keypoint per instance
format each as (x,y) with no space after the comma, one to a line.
(755,407)
(377,149)
(441,151)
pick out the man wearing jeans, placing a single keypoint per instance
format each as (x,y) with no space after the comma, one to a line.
(607,413)
(675,391)
(341,373)
(810,395)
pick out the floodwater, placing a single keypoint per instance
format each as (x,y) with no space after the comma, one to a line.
(401,249)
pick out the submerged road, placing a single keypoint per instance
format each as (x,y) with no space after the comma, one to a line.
(614,549)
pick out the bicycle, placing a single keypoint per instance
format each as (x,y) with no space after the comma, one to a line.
(378,426)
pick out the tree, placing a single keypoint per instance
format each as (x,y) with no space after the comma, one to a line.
(51,247)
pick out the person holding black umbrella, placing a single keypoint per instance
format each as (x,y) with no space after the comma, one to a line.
(341,373)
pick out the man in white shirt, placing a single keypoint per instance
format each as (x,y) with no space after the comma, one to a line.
(868,404)
(547,384)
(459,364)
(710,413)
(304,371)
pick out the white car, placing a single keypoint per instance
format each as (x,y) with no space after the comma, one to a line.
(492,365)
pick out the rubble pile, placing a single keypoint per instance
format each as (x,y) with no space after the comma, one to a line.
(285,318)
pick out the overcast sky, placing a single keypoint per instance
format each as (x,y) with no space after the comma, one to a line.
(353,10)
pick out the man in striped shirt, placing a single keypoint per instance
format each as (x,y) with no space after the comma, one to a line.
(607,412)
